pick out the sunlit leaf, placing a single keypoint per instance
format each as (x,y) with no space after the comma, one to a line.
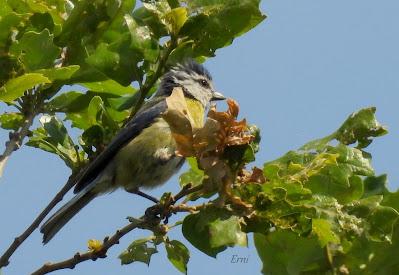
(15,88)
(322,229)
(215,27)
(109,86)
(284,252)
(212,230)
(138,251)
(11,121)
(178,255)
(53,137)
(62,73)
(176,19)
(360,126)
(30,49)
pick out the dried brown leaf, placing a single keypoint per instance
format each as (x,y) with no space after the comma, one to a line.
(180,123)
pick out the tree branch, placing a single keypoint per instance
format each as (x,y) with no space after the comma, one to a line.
(91,255)
(147,221)
(186,190)
(15,141)
(31,106)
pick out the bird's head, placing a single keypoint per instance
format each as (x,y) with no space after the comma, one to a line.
(195,81)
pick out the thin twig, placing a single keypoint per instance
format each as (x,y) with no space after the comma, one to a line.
(31,108)
(91,255)
(4,259)
(16,140)
(147,221)
(186,208)
(187,189)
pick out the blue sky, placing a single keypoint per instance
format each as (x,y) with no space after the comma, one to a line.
(297,76)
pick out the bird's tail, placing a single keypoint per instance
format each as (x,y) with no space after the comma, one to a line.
(66,212)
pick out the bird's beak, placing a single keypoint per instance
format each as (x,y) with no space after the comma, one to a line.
(217,96)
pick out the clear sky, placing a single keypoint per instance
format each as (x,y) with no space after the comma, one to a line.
(297,76)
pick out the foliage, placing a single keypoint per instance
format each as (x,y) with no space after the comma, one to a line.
(316,210)
(327,200)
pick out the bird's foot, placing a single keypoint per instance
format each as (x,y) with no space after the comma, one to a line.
(144,195)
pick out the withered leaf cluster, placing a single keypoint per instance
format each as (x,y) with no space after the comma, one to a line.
(220,130)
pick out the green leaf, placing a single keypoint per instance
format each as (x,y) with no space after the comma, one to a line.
(41,21)
(318,144)
(124,102)
(349,209)
(109,86)
(382,221)
(30,49)
(93,136)
(391,199)
(9,21)
(92,115)
(322,229)
(216,23)
(360,127)
(138,251)
(15,88)
(62,73)
(375,186)
(194,175)
(53,137)
(212,230)
(284,252)
(227,231)
(149,18)
(357,161)
(11,121)
(175,19)
(178,255)
(94,109)
(117,61)
(333,171)
(341,180)
(69,102)
(365,257)
(141,40)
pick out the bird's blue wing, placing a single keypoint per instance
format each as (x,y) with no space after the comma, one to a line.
(133,128)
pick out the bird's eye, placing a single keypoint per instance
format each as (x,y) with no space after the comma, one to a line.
(204,83)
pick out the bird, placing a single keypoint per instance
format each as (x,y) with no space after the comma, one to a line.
(142,154)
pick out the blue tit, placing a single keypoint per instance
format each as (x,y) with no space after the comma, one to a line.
(142,154)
